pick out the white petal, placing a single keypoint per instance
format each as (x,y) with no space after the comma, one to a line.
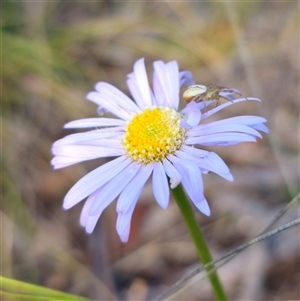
(94,122)
(133,189)
(93,180)
(160,185)
(114,187)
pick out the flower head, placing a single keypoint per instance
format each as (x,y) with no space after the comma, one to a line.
(149,138)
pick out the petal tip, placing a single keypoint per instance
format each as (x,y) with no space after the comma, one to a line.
(65,206)
(206,211)
(203,207)
(89,231)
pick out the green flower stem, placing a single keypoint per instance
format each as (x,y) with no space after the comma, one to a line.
(199,241)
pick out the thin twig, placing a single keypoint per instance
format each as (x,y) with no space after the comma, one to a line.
(230,253)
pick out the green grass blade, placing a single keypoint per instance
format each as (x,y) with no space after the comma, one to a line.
(12,289)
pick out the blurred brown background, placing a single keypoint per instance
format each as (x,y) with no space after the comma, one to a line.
(54,53)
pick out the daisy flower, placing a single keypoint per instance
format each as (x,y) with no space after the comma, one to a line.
(149,138)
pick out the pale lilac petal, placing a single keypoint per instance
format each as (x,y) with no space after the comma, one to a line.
(167,82)
(221,139)
(186,78)
(260,127)
(85,151)
(160,76)
(204,104)
(226,104)
(193,114)
(210,162)
(142,81)
(213,128)
(195,179)
(172,173)
(173,159)
(195,151)
(160,185)
(173,84)
(159,91)
(60,162)
(139,86)
(191,177)
(94,122)
(135,91)
(123,225)
(88,136)
(110,142)
(87,221)
(133,188)
(86,208)
(184,125)
(112,107)
(203,206)
(215,164)
(67,156)
(93,180)
(114,187)
(185,179)
(101,110)
(193,184)
(91,223)
(112,94)
(124,219)
(238,120)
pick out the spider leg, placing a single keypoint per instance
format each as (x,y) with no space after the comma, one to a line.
(227,98)
(196,98)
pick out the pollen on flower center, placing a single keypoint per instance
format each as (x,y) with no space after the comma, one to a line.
(153,135)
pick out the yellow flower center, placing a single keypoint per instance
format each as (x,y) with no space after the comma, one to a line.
(153,135)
